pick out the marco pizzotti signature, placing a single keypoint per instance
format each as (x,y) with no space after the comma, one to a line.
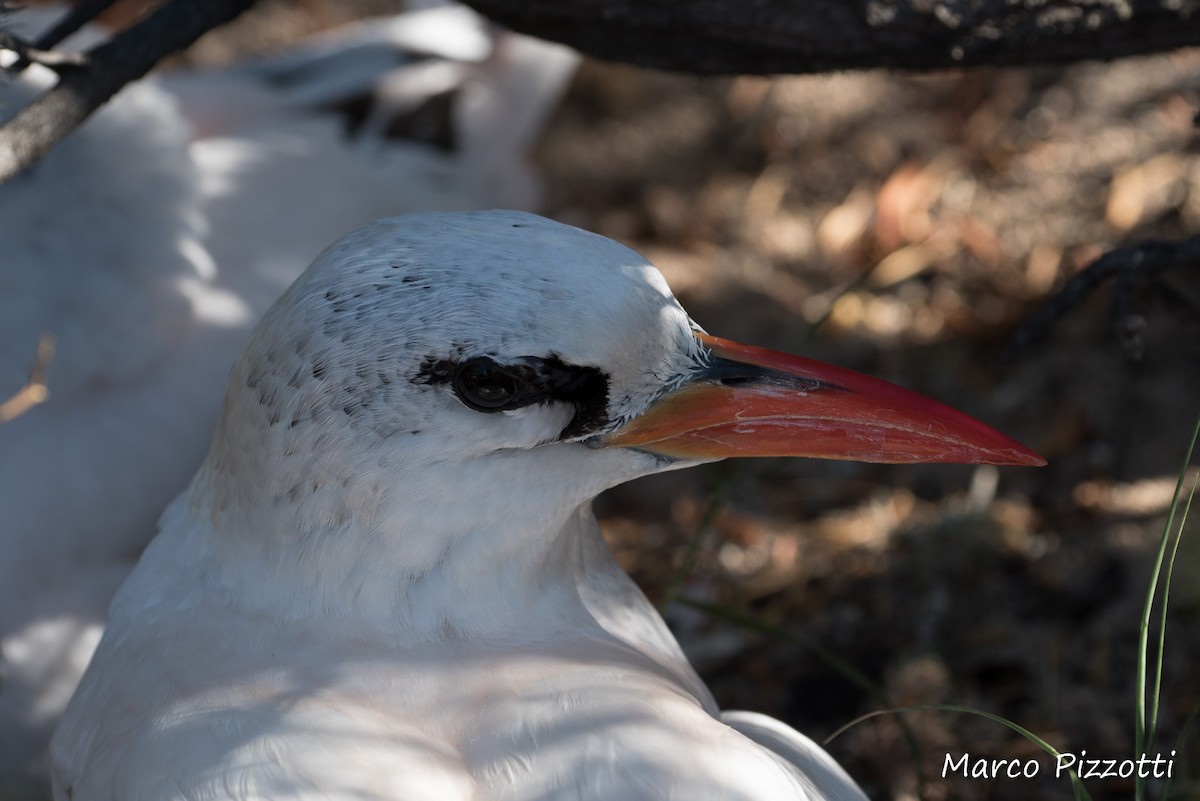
(1143,767)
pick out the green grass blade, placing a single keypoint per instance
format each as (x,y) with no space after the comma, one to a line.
(810,332)
(832,660)
(1081,793)
(1166,596)
(1146,719)
(851,673)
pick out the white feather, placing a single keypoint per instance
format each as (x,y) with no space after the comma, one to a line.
(148,242)
(372,591)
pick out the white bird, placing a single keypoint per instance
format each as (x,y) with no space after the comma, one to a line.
(386,582)
(148,243)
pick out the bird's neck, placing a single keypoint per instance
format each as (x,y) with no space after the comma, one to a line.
(497,568)
(425,565)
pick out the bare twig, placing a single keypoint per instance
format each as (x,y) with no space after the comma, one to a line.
(35,390)
(31,54)
(124,58)
(41,52)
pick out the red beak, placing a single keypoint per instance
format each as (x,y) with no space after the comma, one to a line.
(751,401)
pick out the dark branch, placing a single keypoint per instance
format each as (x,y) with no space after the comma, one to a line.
(124,58)
(1130,268)
(799,36)
(78,16)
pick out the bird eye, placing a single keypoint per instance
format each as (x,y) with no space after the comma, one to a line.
(486,387)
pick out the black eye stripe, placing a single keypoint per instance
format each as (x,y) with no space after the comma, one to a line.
(486,385)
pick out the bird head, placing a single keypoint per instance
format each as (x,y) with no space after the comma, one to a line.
(444,361)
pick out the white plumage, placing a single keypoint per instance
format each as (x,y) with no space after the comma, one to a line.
(148,243)
(374,588)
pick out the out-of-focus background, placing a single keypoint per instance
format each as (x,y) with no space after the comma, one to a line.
(951,205)
(905,226)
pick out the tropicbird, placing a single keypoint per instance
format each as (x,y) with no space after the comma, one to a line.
(149,242)
(385,581)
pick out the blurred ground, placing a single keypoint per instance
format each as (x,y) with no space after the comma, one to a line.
(967,198)
(952,205)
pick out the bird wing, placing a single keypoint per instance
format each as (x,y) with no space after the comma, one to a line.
(821,776)
(260,742)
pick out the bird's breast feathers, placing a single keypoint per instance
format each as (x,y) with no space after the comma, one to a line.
(524,724)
